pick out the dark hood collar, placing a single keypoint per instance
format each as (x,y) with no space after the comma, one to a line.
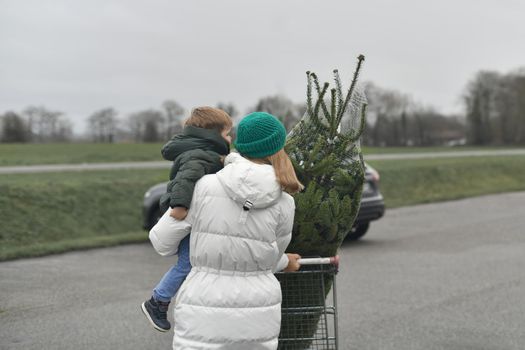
(211,135)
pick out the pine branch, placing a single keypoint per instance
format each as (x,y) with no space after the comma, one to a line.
(333,125)
(313,112)
(315,116)
(309,106)
(328,117)
(360,60)
(339,86)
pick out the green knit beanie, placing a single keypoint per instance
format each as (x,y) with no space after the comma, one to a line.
(259,135)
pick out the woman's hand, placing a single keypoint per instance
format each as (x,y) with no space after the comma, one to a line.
(293,264)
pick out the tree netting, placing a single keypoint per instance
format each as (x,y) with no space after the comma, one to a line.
(325,150)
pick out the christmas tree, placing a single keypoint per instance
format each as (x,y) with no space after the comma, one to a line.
(325,150)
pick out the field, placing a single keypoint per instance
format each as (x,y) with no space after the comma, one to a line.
(75,153)
(56,212)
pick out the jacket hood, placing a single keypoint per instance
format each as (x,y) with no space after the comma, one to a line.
(245,181)
(195,138)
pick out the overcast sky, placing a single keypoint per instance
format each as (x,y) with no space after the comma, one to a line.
(80,56)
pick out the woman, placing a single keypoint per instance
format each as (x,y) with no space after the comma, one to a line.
(241,220)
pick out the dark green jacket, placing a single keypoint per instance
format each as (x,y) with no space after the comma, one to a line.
(195,153)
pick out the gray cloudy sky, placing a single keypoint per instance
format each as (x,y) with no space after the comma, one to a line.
(80,56)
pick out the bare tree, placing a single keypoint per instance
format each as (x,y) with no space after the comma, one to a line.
(389,109)
(47,125)
(103,125)
(229,108)
(281,107)
(495,107)
(509,123)
(14,128)
(64,131)
(518,118)
(147,125)
(401,122)
(174,114)
(479,98)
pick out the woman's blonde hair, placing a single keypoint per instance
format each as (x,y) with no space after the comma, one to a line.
(284,171)
(209,118)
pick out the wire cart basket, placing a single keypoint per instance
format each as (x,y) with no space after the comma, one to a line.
(309,306)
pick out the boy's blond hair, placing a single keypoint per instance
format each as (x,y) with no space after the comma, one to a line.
(209,118)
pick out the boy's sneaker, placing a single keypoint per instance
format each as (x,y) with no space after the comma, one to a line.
(157,314)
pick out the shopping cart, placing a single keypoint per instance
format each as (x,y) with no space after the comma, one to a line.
(309,310)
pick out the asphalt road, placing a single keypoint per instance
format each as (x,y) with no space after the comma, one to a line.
(24,169)
(438,276)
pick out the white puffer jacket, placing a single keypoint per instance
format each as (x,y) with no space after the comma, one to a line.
(231,299)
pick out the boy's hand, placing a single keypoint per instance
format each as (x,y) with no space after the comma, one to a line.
(179,213)
(293,264)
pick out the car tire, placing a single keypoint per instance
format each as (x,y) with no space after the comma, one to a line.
(358,231)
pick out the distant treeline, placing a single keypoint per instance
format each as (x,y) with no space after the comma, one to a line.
(494,114)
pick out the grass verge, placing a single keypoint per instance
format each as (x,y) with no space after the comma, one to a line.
(65,245)
(56,212)
(409,182)
(390,150)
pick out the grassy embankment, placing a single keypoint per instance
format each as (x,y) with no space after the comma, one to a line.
(409,182)
(56,212)
(390,150)
(75,153)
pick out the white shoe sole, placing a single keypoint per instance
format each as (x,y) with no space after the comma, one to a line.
(146,313)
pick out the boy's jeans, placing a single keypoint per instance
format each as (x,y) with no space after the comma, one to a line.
(172,280)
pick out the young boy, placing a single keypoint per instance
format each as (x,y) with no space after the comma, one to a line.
(196,152)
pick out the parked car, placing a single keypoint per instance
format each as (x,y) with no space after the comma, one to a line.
(372,205)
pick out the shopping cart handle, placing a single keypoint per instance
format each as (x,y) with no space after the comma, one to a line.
(334,260)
